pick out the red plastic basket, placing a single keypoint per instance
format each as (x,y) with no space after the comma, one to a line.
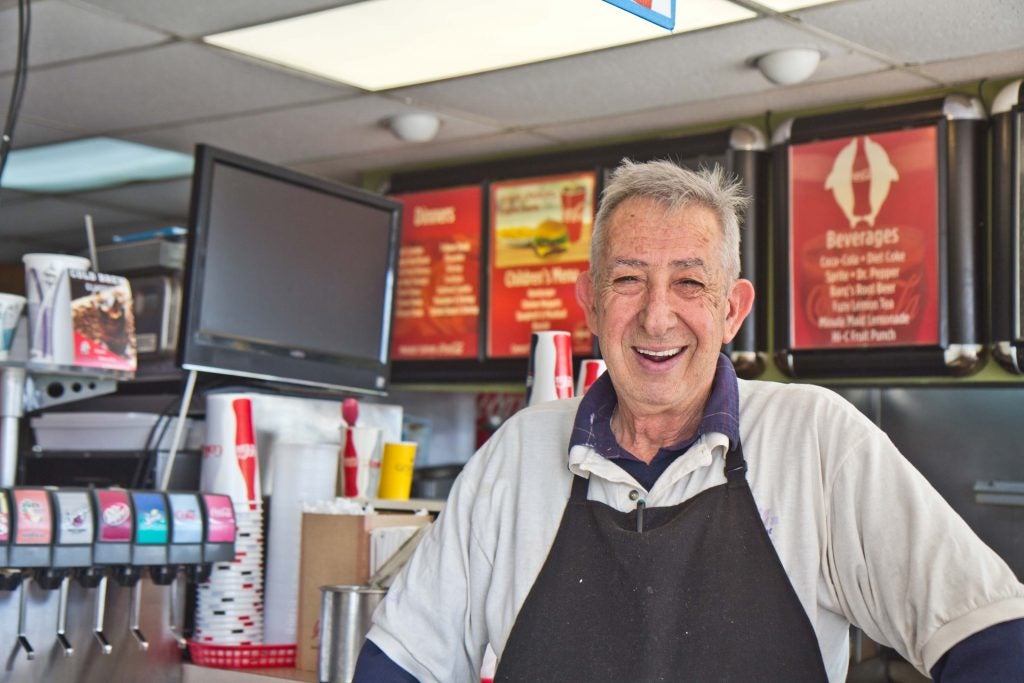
(242,656)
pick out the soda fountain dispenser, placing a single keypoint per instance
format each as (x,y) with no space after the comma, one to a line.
(113,547)
(219,513)
(72,550)
(30,547)
(149,549)
(185,549)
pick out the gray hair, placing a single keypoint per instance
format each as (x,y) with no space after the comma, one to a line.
(675,187)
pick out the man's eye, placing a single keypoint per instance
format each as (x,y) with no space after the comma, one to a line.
(690,285)
(625,279)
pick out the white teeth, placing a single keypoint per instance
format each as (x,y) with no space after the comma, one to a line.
(660,354)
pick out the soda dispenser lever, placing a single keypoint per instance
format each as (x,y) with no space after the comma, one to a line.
(97,626)
(149,549)
(112,548)
(30,547)
(72,550)
(133,616)
(185,549)
(62,618)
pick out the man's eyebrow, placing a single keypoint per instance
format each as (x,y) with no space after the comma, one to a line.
(679,263)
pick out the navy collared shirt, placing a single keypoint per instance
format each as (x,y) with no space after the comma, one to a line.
(593,424)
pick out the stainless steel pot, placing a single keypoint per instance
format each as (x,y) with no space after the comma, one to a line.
(345,613)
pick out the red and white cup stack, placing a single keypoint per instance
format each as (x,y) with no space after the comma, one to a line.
(590,370)
(229,609)
(550,371)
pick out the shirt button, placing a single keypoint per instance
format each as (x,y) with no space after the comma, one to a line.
(634,494)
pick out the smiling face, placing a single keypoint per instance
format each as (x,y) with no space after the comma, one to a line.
(662,305)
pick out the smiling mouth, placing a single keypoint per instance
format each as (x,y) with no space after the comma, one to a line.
(659,356)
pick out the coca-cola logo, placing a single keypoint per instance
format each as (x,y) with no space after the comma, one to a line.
(220,513)
(186,516)
(117,514)
(245,451)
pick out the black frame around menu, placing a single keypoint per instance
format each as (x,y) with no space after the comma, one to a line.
(959,131)
(1007,224)
(740,149)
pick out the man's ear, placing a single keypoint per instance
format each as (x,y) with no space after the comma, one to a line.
(741,300)
(585,297)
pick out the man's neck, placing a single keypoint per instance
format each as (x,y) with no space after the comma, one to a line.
(645,435)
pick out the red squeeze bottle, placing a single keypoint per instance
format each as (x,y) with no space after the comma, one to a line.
(245,447)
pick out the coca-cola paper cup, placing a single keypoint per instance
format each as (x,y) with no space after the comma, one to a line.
(590,370)
(550,371)
(230,461)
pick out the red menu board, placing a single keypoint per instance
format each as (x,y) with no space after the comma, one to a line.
(540,242)
(437,300)
(864,241)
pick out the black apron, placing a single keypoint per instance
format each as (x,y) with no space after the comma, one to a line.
(699,594)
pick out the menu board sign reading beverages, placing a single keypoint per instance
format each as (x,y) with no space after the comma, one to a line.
(437,300)
(864,240)
(540,243)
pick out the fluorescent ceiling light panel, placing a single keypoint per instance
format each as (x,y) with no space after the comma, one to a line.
(789,5)
(90,164)
(382,44)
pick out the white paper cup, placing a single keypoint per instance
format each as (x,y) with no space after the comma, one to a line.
(49,306)
(11,306)
(368,442)
(590,370)
(550,370)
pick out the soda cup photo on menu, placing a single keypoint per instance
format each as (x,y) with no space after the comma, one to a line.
(550,370)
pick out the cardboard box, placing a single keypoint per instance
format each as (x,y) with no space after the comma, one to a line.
(335,551)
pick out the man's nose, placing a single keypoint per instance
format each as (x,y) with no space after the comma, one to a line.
(657,316)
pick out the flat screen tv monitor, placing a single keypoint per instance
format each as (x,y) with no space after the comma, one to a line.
(288,278)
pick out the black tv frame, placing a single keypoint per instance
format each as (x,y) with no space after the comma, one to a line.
(266,360)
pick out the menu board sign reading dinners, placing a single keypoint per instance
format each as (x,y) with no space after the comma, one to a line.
(437,294)
(540,243)
(864,241)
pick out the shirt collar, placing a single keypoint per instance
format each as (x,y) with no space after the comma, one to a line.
(592,426)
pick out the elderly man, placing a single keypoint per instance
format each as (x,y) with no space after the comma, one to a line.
(679,524)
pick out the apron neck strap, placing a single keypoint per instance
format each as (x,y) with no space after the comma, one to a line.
(736,467)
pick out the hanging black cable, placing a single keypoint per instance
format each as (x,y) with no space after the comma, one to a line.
(20,77)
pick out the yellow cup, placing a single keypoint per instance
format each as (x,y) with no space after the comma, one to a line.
(396,470)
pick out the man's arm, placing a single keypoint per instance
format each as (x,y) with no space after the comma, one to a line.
(373,666)
(994,654)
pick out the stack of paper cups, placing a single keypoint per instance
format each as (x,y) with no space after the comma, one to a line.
(550,371)
(590,370)
(229,608)
(49,306)
(301,473)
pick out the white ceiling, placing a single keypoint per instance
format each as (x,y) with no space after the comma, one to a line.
(136,70)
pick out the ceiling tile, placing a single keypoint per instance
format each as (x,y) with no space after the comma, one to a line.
(669,71)
(351,126)
(62,31)
(167,84)
(192,18)
(916,31)
(997,65)
(349,169)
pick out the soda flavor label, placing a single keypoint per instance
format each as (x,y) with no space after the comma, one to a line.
(187,518)
(74,522)
(34,517)
(151,527)
(5,519)
(114,514)
(220,519)
(437,293)
(540,244)
(864,232)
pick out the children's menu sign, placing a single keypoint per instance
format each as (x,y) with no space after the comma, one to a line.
(540,243)
(437,293)
(864,241)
